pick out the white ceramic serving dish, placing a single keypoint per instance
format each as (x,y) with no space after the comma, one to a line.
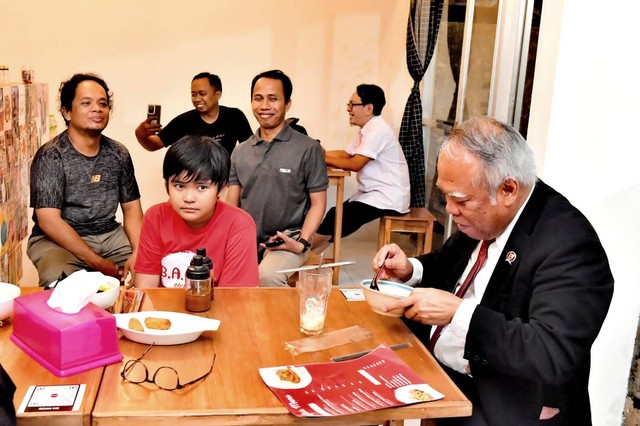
(8,292)
(389,292)
(185,328)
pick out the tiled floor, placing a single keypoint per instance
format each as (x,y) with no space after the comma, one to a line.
(362,249)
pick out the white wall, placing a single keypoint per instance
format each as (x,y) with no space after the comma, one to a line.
(583,116)
(148,51)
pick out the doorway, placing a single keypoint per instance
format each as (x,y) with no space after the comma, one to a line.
(484,64)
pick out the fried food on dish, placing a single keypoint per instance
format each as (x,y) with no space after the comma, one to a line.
(135,325)
(288,375)
(419,395)
(157,323)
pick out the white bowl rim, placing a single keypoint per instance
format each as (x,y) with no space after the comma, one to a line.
(12,291)
(10,286)
(106,297)
(382,283)
(112,280)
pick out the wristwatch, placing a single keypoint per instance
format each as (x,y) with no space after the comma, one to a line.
(305,243)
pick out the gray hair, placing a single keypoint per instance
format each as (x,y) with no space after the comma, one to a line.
(502,151)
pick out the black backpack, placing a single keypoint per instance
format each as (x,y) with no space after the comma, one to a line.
(293,123)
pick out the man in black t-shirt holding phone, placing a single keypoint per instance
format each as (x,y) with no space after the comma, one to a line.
(225,125)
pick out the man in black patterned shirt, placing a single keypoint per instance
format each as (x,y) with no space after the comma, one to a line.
(78,179)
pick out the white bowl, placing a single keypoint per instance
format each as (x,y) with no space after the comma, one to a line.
(389,293)
(8,292)
(105,299)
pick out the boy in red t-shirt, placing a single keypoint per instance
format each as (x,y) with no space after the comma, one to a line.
(196,170)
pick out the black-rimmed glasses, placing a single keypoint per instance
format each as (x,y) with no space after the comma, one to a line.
(165,377)
(350,105)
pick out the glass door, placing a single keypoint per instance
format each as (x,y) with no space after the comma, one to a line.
(478,69)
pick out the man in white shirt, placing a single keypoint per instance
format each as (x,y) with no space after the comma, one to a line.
(376,156)
(518,341)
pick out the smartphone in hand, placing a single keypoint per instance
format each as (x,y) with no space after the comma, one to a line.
(291,233)
(153,114)
(275,243)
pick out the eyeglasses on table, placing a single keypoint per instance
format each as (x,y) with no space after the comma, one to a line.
(164,377)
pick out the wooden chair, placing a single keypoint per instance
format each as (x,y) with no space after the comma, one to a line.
(418,221)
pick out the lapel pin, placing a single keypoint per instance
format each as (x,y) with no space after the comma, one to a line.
(511,257)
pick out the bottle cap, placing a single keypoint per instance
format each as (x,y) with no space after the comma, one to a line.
(202,251)
(198,270)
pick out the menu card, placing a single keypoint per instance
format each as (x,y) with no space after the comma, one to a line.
(52,398)
(129,300)
(352,294)
(377,380)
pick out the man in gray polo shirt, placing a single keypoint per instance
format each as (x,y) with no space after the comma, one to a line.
(279,176)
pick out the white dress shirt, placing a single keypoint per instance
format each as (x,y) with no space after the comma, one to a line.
(384,181)
(449,348)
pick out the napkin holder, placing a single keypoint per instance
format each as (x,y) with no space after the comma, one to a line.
(64,344)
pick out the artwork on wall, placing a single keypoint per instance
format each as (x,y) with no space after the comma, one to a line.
(1,110)
(23,114)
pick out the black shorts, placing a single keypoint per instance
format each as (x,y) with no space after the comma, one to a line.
(354,215)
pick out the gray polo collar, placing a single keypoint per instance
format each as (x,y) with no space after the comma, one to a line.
(283,136)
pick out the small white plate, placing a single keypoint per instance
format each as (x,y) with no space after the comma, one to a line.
(185,328)
(420,392)
(271,378)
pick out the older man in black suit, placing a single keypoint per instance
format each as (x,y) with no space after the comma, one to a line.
(517,295)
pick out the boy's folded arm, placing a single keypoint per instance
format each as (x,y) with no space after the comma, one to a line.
(147,280)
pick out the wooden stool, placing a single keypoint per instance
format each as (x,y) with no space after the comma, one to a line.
(418,221)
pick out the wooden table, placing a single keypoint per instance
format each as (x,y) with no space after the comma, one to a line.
(24,372)
(336,177)
(255,323)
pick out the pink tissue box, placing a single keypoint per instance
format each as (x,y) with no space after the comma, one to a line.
(62,343)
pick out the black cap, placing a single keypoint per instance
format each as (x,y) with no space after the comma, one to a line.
(198,270)
(202,251)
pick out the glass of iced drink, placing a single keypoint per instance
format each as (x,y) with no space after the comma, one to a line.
(314,286)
